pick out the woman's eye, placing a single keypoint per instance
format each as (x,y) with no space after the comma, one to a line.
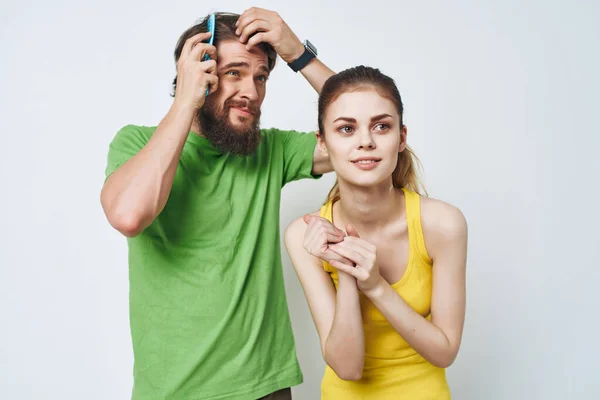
(233,73)
(346,129)
(382,127)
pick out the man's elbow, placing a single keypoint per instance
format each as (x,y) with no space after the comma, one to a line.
(128,224)
(129,230)
(321,167)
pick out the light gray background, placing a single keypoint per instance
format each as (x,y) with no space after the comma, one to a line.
(502,108)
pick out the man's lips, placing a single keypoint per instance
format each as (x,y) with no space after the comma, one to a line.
(243,110)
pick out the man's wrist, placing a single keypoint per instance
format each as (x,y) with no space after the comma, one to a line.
(299,50)
(181,115)
(308,54)
(182,109)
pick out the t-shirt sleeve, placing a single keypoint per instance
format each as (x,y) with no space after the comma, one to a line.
(298,153)
(126,144)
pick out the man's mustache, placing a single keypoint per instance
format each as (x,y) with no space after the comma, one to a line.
(252,107)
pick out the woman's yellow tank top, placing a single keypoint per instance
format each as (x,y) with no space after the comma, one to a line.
(392,368)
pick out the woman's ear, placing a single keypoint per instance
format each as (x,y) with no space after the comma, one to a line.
(321,144)
(403,134)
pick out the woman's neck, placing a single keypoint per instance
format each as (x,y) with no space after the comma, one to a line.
(370,209)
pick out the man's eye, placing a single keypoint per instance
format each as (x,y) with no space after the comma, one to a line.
(262,78)
(233,73)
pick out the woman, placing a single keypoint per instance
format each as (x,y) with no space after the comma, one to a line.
(382,267)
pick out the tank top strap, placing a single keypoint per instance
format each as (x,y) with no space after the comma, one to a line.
(327,213)
(415,230)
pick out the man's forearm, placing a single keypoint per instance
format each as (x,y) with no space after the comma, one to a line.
(316,73)
(137,192)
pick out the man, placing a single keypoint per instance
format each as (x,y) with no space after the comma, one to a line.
(198,197)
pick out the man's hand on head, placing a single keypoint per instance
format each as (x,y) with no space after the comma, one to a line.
(257,25)
(195,76)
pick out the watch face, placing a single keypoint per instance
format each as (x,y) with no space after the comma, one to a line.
(310,47)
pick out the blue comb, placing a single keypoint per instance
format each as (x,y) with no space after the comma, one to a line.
(211,29)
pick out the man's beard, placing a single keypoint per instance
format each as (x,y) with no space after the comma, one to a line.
(218,129)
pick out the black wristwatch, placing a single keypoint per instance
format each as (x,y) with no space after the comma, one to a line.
(310,52)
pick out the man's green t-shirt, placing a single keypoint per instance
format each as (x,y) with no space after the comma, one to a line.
(208,312)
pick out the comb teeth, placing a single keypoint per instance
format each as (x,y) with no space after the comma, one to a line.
(211,29)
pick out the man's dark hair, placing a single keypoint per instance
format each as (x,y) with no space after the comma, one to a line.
(224,30)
